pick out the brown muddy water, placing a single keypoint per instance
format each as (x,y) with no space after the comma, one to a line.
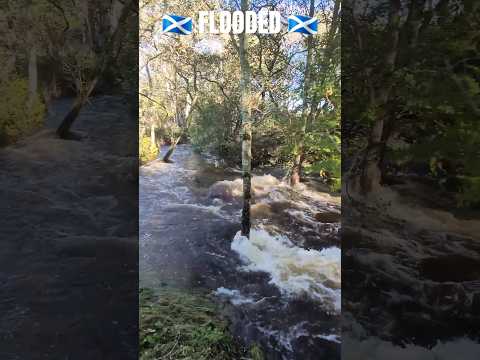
(281,287)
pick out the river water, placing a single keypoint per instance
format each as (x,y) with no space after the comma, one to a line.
(281,287)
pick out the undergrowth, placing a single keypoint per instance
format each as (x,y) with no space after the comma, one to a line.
(147,150)
(180,325)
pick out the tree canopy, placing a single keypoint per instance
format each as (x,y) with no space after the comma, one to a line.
(190,87)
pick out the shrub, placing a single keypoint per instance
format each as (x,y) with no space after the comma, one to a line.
(147,150)
(17,119)
(470,192)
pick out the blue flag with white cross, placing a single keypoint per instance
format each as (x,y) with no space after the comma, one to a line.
(302,24)
(177,24)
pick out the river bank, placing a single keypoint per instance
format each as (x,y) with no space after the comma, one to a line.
(185,324)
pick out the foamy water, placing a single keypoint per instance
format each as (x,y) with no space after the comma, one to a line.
(235,297)
(294,270)
(206,203)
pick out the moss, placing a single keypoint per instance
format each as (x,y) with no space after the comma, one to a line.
(181,325)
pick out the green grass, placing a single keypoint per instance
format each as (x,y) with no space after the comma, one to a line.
(180,325)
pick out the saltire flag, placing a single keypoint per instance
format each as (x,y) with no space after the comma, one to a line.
(302,24)
(177,24)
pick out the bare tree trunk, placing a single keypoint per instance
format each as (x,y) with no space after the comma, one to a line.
(172,148)
(371,173)
(246,126)
(63,130)
(299,156)
(188,116)
(32,73)
(152,134)
(115,14)
(296,168)
(84,12)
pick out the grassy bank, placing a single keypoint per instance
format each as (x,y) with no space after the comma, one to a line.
(180,325)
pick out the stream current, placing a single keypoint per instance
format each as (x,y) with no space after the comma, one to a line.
(281,287)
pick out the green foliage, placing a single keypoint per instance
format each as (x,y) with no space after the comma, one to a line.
(147,150)
(207,131)
(430,116)
(256,353)
(470,194)
(211,131)
(328,168)
(18,118)
(208,81)
(181,325)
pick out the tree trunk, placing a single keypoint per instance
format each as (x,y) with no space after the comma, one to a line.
(170,151)
(105,58)
(152,135)
(296,171)
(51,89)
(85,11)
(371,164)
(246,126)
(371,173)
(115,14)
(295,176)
(63,130)
(32,74)
(188,116)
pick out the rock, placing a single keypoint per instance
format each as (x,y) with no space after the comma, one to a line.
(261,211)
(328,217)
(281,206)
(228,191)
(265,181)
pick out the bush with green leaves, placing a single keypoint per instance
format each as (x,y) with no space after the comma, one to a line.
(20,116)
(148,151)
(212,131)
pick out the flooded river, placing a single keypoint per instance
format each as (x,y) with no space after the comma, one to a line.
(281,287)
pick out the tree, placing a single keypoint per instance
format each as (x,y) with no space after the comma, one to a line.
(238,95)
(191,102)
(88,70)
(419,88)
(307,84)
(319,84)
(245,111)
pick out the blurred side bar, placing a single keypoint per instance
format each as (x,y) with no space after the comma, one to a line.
(411,167)
(68,179)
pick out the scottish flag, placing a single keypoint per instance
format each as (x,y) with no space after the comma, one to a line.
(177,24)
(302,24)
